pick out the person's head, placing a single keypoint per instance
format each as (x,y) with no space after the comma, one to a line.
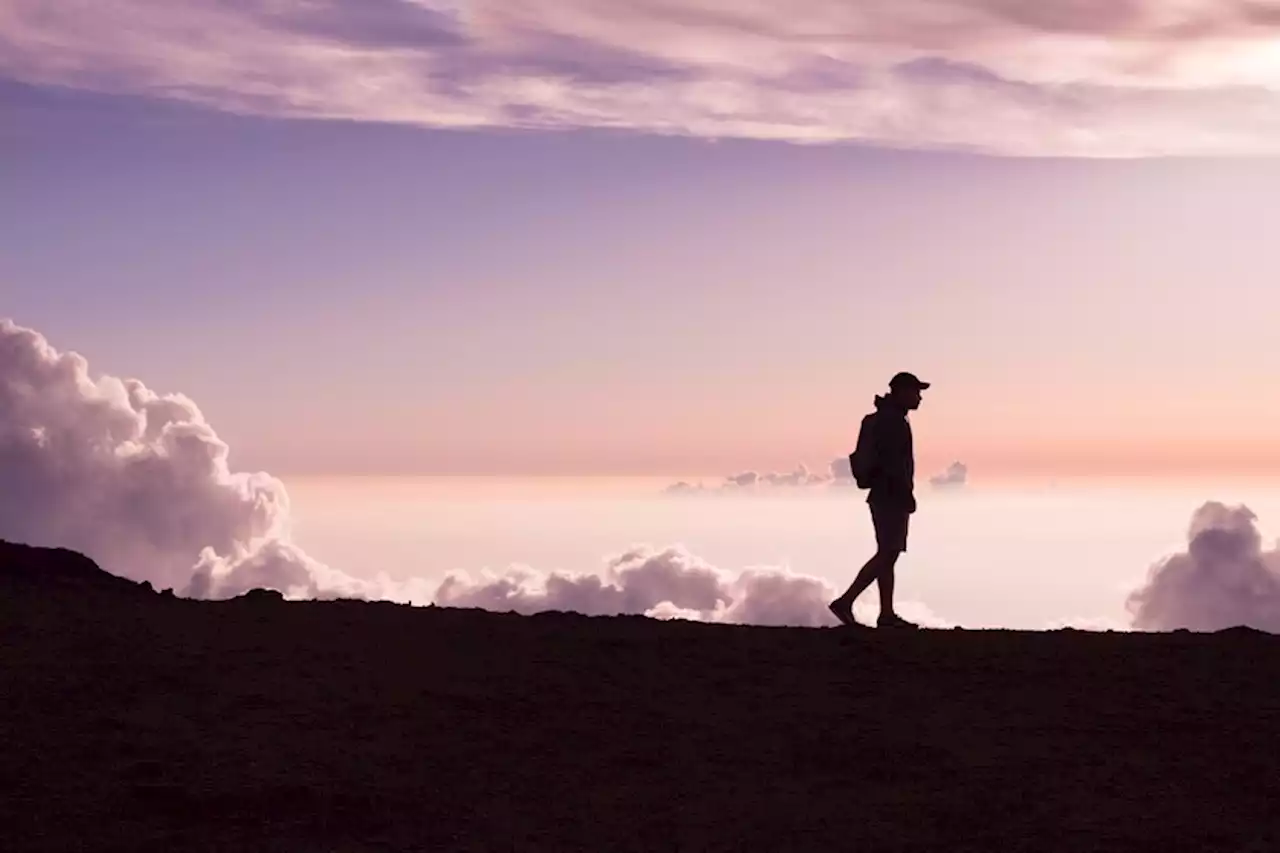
(905,388)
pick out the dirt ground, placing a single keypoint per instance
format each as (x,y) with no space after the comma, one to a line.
(132,721)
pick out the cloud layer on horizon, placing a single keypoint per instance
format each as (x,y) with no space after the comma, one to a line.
(140,482)
(839,474)
(1059,77)
(748,481)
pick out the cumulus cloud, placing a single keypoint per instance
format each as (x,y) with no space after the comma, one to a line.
(1224,579)
(1062,77)
(669,583)
(141,483)
(956,475)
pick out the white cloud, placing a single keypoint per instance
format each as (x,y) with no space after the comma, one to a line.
(1104,78)
(667,583)
(1223,580)
(138,481)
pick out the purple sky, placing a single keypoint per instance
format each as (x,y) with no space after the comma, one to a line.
(617,262)
(1099,77)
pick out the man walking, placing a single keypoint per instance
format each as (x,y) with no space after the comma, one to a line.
(884,464)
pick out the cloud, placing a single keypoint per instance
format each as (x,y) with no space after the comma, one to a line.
(839,474)
(956,475)
(684,488)
(800,476)
(141,483)
(669,583)
(750,481)
(1223,580)
(841,470)
(1061,77)
(386,24)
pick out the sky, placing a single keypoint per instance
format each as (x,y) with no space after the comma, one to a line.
(142,483)
(578,237)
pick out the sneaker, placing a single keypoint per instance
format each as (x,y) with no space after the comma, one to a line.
(843,611)
(893,620)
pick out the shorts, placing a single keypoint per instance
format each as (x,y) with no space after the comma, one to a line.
(891,524)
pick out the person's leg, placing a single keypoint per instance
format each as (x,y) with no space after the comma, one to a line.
(873,570)
(884,580)
(842,607)
(895,525)
(892,527)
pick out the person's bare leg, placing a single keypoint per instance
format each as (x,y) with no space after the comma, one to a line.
(889,617)
(897,533)
(842,607)
(885,581)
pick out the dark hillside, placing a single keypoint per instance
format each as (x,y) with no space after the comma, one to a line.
(133,720)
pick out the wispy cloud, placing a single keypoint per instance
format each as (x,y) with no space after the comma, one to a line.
(1063,77)
(839,475)
(752,480)
(955,475)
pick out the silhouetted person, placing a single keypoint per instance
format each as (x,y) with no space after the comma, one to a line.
(884,464)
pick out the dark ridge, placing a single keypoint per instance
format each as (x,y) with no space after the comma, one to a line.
(61,571)
(56,570)
(143,722)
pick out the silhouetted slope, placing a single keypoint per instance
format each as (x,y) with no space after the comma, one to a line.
(153,723)
(58,570)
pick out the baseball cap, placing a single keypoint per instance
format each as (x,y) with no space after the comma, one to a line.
(907,380)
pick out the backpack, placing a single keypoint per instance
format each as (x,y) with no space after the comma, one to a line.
(859,462)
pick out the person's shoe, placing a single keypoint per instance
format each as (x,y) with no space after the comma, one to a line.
(843,611)
(893,620)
